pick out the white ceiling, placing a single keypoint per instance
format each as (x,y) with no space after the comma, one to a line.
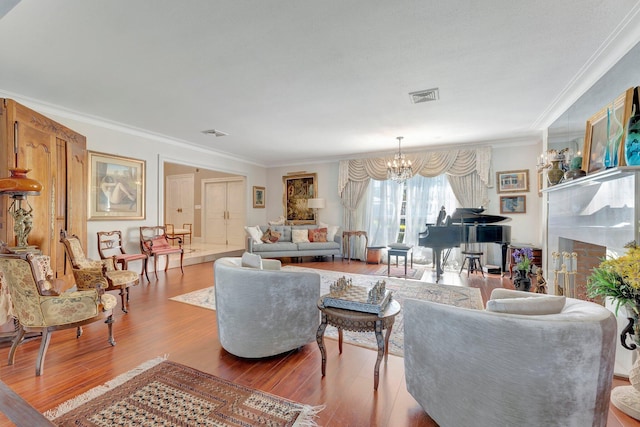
(300,80)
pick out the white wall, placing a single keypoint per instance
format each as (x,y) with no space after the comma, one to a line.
(119,141)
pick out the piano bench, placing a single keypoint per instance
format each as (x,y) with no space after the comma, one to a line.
(472,259)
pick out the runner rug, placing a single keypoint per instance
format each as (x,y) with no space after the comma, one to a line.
(459,296)
(164,393)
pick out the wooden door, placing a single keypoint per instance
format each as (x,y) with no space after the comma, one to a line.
(57,158)
(179,200)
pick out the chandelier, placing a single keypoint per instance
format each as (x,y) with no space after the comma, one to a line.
(400,169)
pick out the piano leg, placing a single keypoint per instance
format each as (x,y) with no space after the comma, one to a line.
(503,265)
(438,253)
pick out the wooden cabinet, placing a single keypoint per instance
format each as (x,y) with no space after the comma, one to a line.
(57,157)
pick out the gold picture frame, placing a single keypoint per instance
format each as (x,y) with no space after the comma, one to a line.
(595,139)
(513,181)
(116,187)
(298,188)
(259,197)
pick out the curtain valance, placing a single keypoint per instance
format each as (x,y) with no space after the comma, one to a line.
(428,164)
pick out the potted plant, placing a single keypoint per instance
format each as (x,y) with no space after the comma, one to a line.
(522,258)
(619,279)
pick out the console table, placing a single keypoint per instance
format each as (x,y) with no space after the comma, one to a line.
(346,243)
(358,321)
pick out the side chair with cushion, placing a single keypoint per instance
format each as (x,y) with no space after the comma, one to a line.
(154,242)
(185,231)
(88,273)
(110,244)
(527,360)
(262,311)
(39,307)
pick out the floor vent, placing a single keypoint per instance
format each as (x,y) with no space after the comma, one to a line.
(425,95)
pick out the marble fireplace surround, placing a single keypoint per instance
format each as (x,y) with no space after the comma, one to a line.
(602,210)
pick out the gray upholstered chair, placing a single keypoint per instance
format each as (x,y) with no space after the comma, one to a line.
(262,311)
(482,368)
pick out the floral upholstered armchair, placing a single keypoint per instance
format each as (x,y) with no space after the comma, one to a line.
(88,273)
(39,307)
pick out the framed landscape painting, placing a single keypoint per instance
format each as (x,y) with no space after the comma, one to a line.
(116,187)
(513,181)
(298,188)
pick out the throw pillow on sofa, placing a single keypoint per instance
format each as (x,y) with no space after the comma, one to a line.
(251,260)
(270,236)
(331,230)
(255,233)
(300,236)
(318,235)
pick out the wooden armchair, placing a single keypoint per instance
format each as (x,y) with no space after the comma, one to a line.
(88,273)
(39,307)
(154,242)
(186,230)
(110,244)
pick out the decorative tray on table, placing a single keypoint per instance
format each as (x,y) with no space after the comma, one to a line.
(344,295)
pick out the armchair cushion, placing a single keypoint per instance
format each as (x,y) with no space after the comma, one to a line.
(251,260)
(542,304)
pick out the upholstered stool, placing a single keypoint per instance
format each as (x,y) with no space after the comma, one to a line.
(472,259)
(374,254)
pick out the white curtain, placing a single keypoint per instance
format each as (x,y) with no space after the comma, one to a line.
(382,212)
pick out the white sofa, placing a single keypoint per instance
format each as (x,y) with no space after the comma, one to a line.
(264,311)
(481,368)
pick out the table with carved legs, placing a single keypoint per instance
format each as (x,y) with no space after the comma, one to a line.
(358,321)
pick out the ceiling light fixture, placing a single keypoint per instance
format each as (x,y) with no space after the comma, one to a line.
(400,169)
(215,132)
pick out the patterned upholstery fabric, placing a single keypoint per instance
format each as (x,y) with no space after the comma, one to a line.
(35,310)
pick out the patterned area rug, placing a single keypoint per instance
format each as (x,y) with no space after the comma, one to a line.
(164,393)
(412,273)
(459,296)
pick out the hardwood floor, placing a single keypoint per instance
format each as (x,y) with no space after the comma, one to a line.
(156,326)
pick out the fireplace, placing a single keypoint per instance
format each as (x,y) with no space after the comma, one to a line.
(594,216)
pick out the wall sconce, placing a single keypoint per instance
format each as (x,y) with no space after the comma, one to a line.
(316,204)
(18,187)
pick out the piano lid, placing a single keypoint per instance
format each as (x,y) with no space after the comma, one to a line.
(475,216)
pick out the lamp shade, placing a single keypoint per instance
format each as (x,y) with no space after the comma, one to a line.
(18,184)
(315,203)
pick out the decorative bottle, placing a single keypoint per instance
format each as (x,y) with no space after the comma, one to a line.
(632,141)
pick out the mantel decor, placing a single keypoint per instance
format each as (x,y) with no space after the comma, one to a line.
(298,189)
(116,187)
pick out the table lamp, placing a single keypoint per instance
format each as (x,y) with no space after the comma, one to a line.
(316,204)
(18,187)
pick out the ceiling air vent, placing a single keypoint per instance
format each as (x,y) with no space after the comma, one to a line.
(425,95)
(214,132)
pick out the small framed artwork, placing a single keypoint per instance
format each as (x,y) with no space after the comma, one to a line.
(259,197)
(116,187)
(298,188)
(611,119)
(513,181)
(513,204)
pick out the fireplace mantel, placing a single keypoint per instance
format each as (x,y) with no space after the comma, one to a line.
(601,209)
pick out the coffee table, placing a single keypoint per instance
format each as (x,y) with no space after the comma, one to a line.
(358,321)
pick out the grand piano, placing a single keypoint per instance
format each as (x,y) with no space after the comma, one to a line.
(465,225)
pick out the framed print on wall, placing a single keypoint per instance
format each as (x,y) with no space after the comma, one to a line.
(298,188)
(259,198)
(512,181)
(116,187)
(595,138)
(513,204)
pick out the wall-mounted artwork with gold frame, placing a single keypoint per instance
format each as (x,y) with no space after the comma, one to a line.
(595,139)
(259,197)
(116,187)
(512,181)
(298,188)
